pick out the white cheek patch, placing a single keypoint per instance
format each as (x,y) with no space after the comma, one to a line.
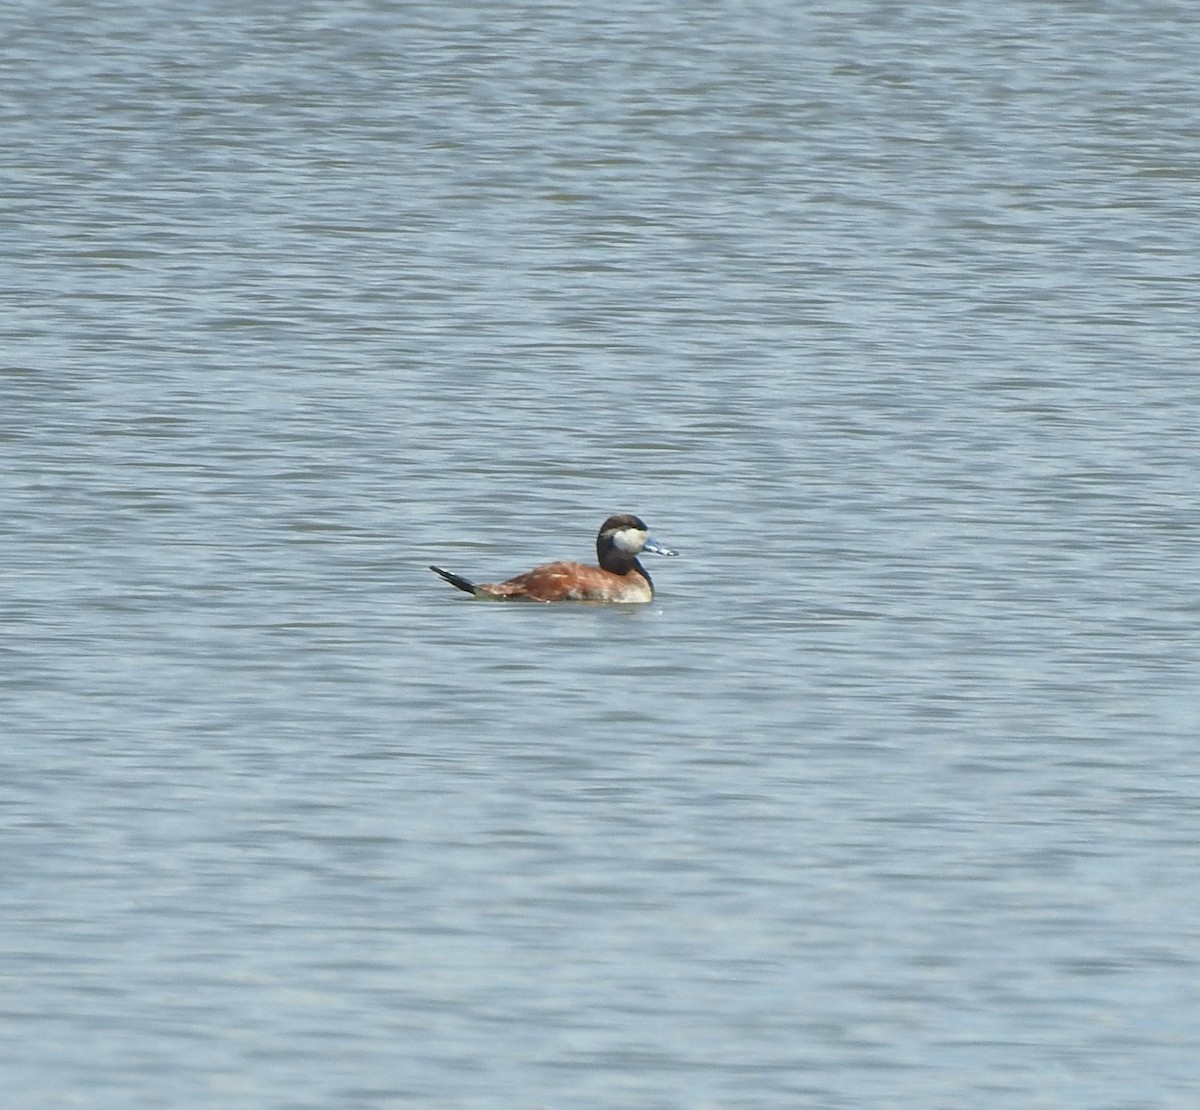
(630,540)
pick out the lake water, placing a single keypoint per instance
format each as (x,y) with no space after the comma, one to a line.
(883,314)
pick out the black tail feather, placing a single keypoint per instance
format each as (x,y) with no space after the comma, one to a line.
(455,580)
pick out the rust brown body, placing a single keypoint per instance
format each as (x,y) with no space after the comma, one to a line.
(573,582)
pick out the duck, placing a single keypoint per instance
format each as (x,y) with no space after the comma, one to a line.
(619,578)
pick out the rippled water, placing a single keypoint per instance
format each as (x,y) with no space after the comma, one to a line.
(883,314)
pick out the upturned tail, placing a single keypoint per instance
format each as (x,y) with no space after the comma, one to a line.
(456,580)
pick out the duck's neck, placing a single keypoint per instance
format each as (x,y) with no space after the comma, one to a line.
(613,559)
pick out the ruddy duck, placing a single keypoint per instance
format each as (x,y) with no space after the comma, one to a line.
(619,577)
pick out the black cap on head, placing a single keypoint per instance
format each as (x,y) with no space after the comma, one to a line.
(623,520)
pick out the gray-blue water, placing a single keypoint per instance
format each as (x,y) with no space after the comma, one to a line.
(884,314)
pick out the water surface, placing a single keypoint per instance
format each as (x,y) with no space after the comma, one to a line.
(883,314)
